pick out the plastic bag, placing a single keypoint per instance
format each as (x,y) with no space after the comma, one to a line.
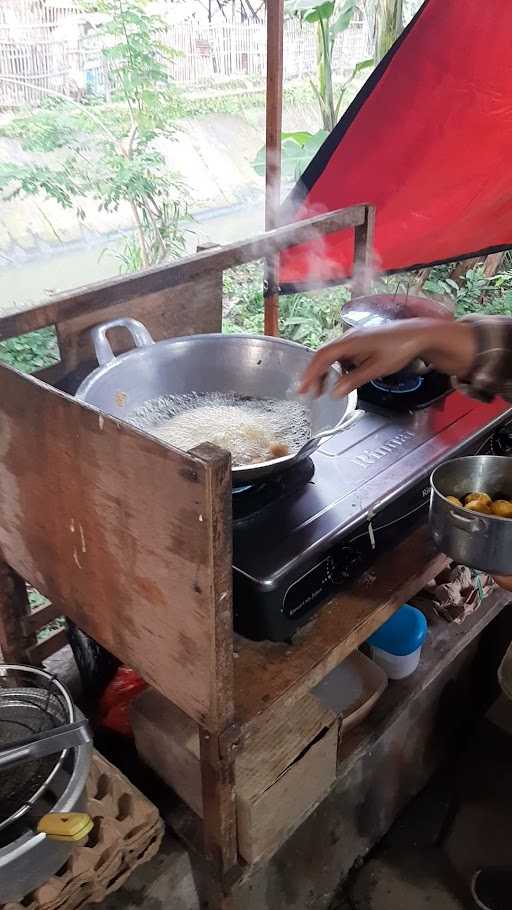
(115,703)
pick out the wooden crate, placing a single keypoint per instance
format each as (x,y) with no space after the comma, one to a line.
(283,767)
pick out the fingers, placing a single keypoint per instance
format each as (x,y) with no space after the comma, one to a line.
(314,378)
(356,378)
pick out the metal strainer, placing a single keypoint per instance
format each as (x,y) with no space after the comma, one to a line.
(32,701)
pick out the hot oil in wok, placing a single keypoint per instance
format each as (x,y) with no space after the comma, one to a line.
(253,430)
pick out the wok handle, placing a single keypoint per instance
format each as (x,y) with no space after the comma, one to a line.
(470,525)
(138,332)
(316,440)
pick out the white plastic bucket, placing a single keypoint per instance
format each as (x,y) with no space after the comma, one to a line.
(396,666)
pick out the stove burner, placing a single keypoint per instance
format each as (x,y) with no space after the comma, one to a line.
(251,498)
(402,386)
(405,393)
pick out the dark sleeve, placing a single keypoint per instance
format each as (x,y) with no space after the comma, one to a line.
(492,371)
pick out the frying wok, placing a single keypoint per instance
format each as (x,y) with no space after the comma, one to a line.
(247,365)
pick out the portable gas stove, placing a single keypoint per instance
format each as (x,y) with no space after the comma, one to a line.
(308,532)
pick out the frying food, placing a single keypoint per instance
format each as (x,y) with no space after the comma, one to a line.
(502,508)
(471,497)
(479,505)
(279,450)
(485,504)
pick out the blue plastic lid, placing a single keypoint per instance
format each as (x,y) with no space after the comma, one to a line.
(402,634)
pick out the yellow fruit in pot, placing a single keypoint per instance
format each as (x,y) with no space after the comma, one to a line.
(472,497)
(502,508)
(454,501)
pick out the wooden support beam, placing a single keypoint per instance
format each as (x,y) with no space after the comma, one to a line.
(15,638)
(96,297)
(275,24)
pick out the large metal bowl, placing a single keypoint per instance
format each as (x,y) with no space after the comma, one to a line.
(248,365)
(472,539)
(27,858)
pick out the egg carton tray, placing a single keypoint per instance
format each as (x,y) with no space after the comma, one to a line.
(127,832)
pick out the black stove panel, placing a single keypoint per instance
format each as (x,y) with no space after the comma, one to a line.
(362,493)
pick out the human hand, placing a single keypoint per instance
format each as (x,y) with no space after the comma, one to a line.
(371,353)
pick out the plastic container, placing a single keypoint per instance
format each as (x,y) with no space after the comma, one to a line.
(396,646)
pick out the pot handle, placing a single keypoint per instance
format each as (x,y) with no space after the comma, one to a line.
(312,444)
(470,525)
(138,332)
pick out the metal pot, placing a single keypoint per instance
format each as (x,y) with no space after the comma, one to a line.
(470,538)
(27,858)
(251,365)
(30,859)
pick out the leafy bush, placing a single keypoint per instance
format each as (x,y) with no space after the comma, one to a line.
(31,352)
(309,319)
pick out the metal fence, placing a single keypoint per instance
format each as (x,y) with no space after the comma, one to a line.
(48,48)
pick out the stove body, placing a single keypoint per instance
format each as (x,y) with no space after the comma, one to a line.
(299,539)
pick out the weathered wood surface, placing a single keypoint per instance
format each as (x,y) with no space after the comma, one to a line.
(15,637)
(265,672)
(194,308)
(97,297)
(268,818)
(44,649)
(130,537)
(169,742)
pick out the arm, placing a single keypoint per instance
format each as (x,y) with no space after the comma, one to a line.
(476,352)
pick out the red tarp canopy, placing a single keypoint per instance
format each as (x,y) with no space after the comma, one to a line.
(428,141)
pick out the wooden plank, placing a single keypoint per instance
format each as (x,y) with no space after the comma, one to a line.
(44,649)
(97,296)
(40,618)
(168,741)
(191,309)
(15,639)
(364,263)
(219,803)
(273,744)
(267,819)
(130,537)
(286,671)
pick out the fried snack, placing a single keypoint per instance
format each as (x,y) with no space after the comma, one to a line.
(454,501)
(278,449)
(471,497)
(479,505)
(502,508)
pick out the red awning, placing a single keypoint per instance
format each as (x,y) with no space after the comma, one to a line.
(428,141)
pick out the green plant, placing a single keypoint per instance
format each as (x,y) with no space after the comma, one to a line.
(123,163)
(309,319)
(387,18)
(330,18)
(31,352)
(474,292)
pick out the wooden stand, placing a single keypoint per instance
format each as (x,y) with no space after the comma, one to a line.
(132,541)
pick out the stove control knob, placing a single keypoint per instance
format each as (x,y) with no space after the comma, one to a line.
(347,564)
(502,441)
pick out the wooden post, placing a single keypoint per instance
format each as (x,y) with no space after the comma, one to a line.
(14,638)
(275,23)
(363,255)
